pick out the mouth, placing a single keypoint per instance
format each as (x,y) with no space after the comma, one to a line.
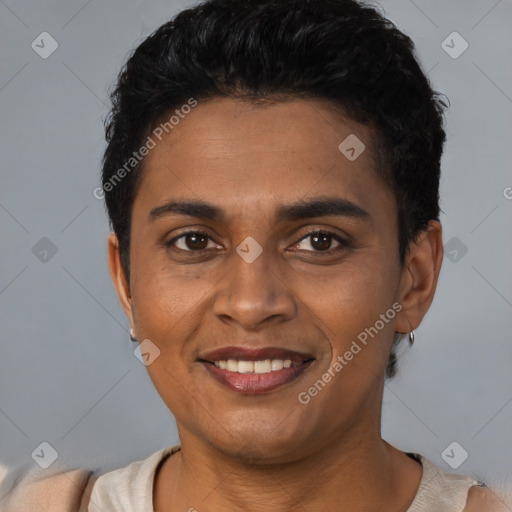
(255,371)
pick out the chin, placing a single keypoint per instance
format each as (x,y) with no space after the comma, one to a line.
(261,454)
(268,445)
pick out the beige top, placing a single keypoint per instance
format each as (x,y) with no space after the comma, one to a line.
(130,489)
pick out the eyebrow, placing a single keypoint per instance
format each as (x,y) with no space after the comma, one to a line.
(319,207)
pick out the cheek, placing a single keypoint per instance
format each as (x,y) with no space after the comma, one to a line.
(167,311)
(163,293)
(349,296)
(349,306)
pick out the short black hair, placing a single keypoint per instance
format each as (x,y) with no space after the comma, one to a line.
(343,51)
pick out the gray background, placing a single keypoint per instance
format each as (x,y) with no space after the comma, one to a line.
(68,375)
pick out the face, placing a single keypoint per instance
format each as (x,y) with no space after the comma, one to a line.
(266,266)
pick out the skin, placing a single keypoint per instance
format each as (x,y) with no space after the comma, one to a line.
(270,452)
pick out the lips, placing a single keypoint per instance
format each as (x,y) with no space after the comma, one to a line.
(255,370)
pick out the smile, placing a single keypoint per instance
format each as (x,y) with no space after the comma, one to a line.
(263,366)
(252,370)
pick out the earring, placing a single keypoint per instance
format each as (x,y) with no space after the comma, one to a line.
(399,336)
(132,335)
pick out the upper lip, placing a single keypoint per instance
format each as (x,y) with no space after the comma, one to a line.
(241,353)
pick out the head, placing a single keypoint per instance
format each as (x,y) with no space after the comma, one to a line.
(261,113)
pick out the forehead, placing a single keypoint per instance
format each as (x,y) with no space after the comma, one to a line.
(228,151)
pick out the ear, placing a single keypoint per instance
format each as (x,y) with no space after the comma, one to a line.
(419,277)
(118,276)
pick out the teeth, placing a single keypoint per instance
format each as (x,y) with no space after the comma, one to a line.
(232,365)
(245,366)
(263,366)
(277,364)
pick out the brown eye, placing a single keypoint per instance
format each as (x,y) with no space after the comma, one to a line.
(190,241)
(321,241)
(196,241)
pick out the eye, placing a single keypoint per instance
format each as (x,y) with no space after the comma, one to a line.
(191,241)
(318,241)
(321,241)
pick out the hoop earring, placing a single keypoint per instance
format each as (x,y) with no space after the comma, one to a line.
(132,335)
(399,337)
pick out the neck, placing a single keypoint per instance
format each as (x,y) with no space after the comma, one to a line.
(344,475)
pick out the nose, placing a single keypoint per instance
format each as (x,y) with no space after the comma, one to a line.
(252,294)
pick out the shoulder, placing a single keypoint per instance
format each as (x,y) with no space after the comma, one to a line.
(64,492)
(484,499)
(128,488)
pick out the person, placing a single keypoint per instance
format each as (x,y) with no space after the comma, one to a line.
(272,182)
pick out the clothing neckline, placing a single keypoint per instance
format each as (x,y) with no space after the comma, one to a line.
(165,453)
(426,474)
(131,488)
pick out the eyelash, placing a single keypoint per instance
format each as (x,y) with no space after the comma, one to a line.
(344,244)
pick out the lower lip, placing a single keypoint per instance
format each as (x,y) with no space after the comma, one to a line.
(255,383)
